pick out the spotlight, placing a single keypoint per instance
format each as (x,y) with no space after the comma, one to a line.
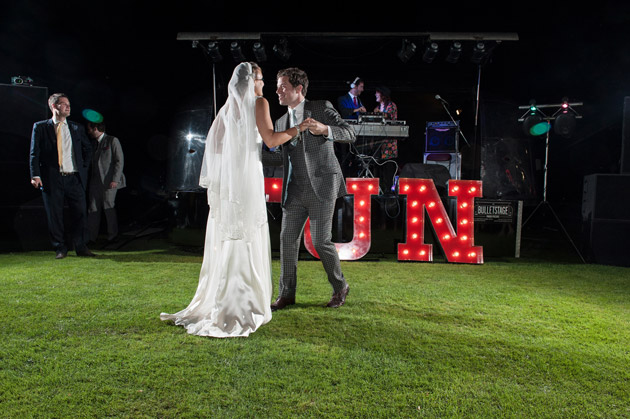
(454,53)
(281,49)
(22,80)
(565,124)
(479,53)
(565,120)
(214,53)
(237,53)
(407,50)
(430,52)
(259,52)
(534,124)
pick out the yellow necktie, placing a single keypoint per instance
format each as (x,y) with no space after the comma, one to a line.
(59,145)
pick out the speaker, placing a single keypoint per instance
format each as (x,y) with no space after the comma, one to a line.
(21,204)
(606,218)
(625,137)
(452,162)
(438,173)
(605,197)
(442,137)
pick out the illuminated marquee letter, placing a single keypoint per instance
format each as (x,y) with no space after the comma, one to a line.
(458,247)
(362,189)
(273,189)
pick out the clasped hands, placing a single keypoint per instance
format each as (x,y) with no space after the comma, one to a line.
(314,127)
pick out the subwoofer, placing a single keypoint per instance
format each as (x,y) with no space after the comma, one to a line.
(606,218)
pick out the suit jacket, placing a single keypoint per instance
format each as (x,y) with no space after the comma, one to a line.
(346,106)
(44,160)
(109,160)
(322,165)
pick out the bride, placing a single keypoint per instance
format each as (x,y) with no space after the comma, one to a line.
(234,291)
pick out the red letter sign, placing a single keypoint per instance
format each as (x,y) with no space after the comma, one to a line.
(458,247)
(362,189)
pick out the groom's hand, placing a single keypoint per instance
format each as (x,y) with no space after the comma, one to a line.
(316,127)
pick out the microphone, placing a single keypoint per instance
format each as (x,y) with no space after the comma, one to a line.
(438,97)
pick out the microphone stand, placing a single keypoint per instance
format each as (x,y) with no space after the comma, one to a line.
(443,102)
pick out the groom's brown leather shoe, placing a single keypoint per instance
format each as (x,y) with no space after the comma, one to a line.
(339,298)
(282,302)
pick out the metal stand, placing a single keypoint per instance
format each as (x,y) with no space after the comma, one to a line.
(443,102)
(365,164)
(545,202)
(364,160)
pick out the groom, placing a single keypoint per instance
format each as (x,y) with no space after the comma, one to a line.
(312,182)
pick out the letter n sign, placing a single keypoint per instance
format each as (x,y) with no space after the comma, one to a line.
(458,246)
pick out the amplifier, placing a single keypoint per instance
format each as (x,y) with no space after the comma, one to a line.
(442,137)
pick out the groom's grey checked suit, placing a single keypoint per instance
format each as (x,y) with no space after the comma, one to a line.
(312,182)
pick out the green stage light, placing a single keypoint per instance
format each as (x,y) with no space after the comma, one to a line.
(92,116)
(540,128)
(534,125)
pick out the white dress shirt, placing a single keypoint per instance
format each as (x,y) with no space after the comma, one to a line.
(68,164)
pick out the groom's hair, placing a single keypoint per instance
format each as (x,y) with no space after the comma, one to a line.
(296,77)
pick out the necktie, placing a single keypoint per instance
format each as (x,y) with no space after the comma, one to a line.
(292,123)
(59,145)
(356,104)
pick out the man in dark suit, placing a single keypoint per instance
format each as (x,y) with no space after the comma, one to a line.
(59,161)
(312,182)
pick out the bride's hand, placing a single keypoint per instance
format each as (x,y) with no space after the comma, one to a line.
(304,125)
(316,127)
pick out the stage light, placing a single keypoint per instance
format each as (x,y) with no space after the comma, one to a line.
(237,53)
(534,124)
(565,119)
(407,51)
(454,53)
(214,53)
(565,124)
(92,116)
(479,53)
(259,52)
(21,80)
(281,49)
(430,52)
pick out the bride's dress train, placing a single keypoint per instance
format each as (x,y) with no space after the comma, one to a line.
(234,292)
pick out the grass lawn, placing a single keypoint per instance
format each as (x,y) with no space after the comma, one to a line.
(510,338)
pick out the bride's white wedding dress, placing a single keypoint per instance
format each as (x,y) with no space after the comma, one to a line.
(234,291)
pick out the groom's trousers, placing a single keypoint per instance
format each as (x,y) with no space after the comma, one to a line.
(302,203)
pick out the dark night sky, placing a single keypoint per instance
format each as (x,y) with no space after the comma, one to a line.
(123,59)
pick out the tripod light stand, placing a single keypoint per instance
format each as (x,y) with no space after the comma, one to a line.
(536,123)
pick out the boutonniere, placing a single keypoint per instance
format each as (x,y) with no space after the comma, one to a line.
(106,147)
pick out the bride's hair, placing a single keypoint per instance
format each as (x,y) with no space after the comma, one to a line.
(255,67)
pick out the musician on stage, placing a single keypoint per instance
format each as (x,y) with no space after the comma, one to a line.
(349,105)
(389,147)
